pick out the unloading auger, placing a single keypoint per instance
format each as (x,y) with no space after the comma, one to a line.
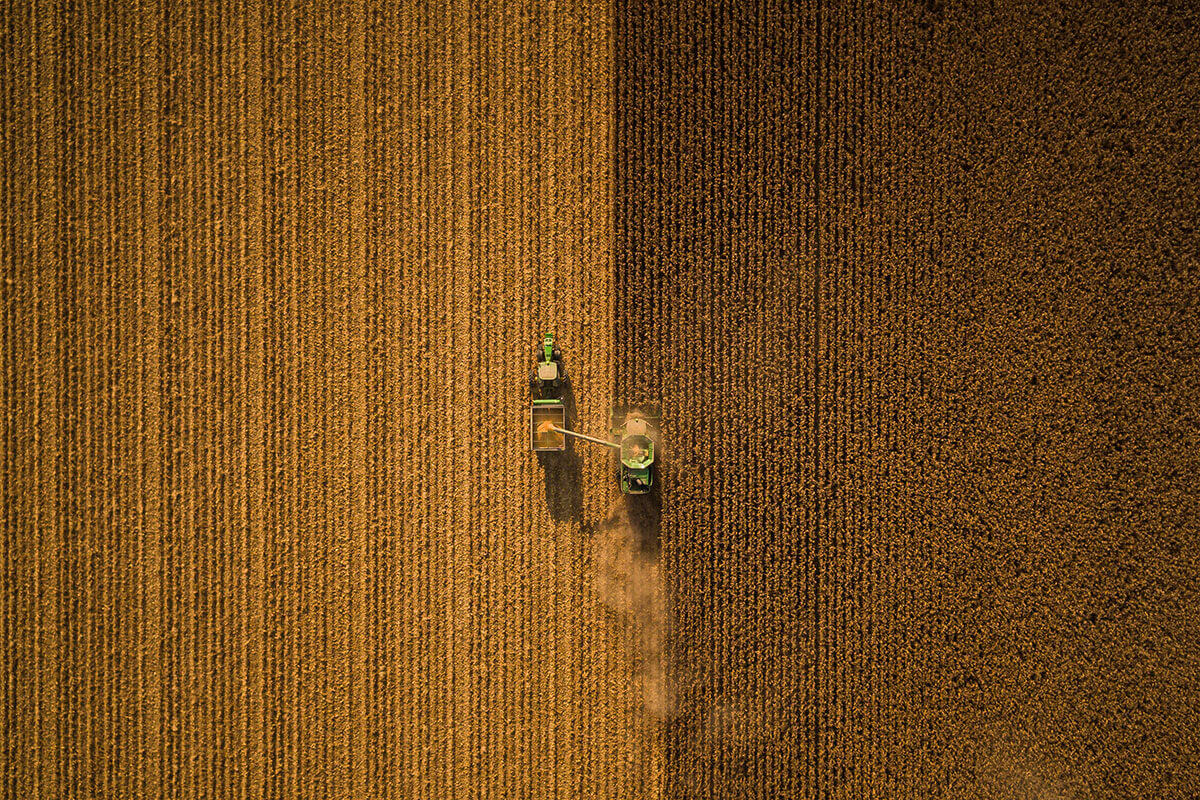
(635,435)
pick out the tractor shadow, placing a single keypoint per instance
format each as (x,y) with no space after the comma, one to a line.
(562,472)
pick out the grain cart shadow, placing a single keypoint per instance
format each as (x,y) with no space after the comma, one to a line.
(562,472)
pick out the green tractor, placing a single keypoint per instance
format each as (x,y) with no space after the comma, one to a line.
(548,415)
(549,376)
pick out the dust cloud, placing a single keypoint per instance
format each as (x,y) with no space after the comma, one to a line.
(629,581)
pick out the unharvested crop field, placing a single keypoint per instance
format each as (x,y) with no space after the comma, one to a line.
(915,289)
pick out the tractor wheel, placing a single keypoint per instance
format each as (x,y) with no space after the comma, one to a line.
(557,354)
(533,379)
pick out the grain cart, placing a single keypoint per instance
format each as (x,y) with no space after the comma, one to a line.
(547,414)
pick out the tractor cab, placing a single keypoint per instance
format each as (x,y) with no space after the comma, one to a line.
(549,375)
(637,451)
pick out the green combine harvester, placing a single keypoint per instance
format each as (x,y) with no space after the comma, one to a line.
(636,452)
(547,423)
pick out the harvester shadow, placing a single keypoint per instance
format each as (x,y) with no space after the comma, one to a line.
(562,472)
(645,522)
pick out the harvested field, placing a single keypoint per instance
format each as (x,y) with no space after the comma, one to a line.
(274,275)
(915,290)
